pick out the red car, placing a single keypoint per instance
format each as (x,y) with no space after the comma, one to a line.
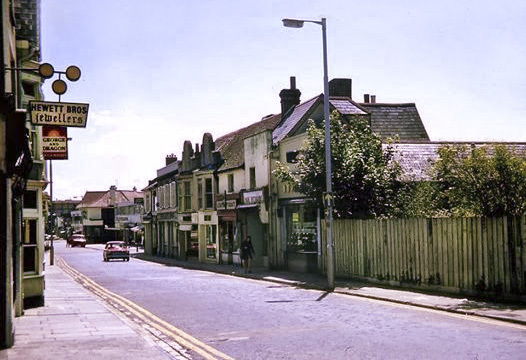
(76,240)
(116,250)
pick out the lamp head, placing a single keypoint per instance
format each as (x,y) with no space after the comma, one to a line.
(293,23)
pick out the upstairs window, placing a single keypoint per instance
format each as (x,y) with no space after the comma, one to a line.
(252,174)
(200,193)
(30,199)
(187,195)
(209,194)
(292,157)
(230,183)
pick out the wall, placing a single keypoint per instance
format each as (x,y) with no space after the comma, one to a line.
(294,143)
(256,151)
(461,255)
(239,180)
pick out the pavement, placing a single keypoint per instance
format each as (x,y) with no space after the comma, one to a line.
(74,323)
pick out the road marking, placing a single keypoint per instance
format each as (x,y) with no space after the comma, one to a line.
(138,312)
(470,317)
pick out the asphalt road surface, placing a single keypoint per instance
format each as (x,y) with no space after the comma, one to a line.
(250,319)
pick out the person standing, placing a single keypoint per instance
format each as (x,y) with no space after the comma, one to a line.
(247,253)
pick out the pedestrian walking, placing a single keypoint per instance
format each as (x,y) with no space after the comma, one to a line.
(247,253)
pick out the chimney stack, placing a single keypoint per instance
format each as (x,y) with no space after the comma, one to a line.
(340,88)
(289,97)
(373,99)
(366,98)
(171,159)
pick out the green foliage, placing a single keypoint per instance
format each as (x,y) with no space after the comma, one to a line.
(487,181)
(365,177)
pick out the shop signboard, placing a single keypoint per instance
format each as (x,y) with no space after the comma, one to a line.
(55,143)
(226,205)
(253,197)
(58,113)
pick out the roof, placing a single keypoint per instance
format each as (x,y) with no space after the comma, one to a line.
(402,120)
(231,146)
(102,199)
(416,159)
(387,120)
(346,106)
(291,121)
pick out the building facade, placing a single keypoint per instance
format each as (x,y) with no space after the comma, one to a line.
(98,213)
(233,195)
(22,173)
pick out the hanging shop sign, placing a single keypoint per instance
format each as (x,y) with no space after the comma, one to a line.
(55,142)
(58,113)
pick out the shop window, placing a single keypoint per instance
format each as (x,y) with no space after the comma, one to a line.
(210,241)
(29,245)
(30,199)
(209,194)
(301,229)
(252,174)
(230,183)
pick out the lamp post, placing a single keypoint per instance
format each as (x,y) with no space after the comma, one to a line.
(328,197)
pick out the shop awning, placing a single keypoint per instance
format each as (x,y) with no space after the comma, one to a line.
(247,206)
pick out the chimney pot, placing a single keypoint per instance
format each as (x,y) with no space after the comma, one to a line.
(373,99)
(366,98)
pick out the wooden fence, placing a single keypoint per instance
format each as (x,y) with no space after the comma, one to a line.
(456,254)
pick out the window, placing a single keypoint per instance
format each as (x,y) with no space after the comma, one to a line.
(181,195)
(292,157)
(167,196)
(230,183)
(252,174)
(200,193)
(147,202)
(187,195)
(173,195)
(211,245)
(29,88)
(301,228)
(209,194)
(30,245)
(30,199)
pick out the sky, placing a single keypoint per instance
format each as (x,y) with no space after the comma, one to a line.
(159,72)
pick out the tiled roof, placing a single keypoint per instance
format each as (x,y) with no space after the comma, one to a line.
(346,106)
(402,120)
(416,159)
(102,199)
(291,121)
(231,147)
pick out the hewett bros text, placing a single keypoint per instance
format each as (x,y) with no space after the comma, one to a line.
(58,113)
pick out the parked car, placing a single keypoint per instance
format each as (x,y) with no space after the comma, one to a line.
(116,250)
(76,240)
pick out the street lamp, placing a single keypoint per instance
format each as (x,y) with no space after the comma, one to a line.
(328,197)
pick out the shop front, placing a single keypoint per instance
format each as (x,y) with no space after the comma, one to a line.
(302,232)
(253,221)
(209,249)
(229,241)
(187,238)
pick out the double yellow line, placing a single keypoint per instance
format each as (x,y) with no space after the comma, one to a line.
(185,340)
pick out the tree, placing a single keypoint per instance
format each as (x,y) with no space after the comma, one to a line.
(487,181)
(365,176)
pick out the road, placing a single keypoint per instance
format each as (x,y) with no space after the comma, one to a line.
(251,319)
